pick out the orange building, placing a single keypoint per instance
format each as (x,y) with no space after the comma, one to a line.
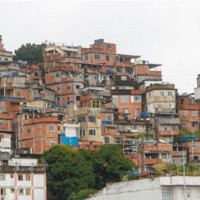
(38,134)
(189,112)
(128,103)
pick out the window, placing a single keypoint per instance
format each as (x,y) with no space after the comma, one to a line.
(97,57)
(107,140)
(58,88)
(81,119)
(195,124)
(28,131)
(161,93)
(109,46)
(195,145)
(77,86)
(124,99)
(21,191)
(57,74)
(108,117)
(86,57)
(126,111)
(52,128)
(95,104)
(2,177)
(58,99)
(3,191)
(1,122)
(27,177)
(27,192)
(20,177)
(114,100)
(92,132)
(119,69)
(11,176)
(107,57)
(175,128)
(185,113)
(52,143)
(171,105)
(92,119)
(12,190)
(194,113)
(77,98)
(136,112)
(82,132)
(136,98)
(186,193)
(169,93)
(166,194)
(96,77)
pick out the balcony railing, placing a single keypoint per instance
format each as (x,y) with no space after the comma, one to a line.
(20,169)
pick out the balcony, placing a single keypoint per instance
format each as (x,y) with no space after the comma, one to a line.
(168,133)
(179,153)
(19,169)
(152,161)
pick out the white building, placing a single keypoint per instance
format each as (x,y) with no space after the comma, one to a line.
(72,130)
(161,188)
(22,179)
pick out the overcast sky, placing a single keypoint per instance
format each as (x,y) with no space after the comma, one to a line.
(166,32)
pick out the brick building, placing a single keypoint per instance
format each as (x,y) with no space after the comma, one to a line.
(189,112)
(38,134)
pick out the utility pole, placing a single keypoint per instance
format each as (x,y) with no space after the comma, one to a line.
(184,186)
(192,150)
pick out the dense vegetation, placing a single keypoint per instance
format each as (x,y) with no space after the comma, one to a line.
(31,53)
(191,169)
(75,174)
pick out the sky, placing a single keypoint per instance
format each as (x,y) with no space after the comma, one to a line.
(162,32)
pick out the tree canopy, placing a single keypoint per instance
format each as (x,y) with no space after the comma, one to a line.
(78,173)
(31,53)
(110,164)
(67,172)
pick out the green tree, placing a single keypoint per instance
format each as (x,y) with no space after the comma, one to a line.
(192,169)
(31,53)
(110,164)
(67,172)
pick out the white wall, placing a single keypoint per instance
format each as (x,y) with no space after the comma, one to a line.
(197,93)
(137,190)
(148,189)
(23,162)
(72,130)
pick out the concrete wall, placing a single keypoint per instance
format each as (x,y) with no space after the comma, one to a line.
(137,190)
(152,189)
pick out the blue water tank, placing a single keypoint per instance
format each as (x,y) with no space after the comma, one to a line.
(70,141)
(145,114)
